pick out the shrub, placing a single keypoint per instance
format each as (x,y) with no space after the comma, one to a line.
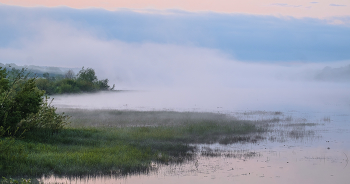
(19,97)
(46,118)
(22,105)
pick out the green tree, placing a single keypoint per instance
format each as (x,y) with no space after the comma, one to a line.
(19,97)
(85,81)
(69,74)
(87,75)
(23,106)
(46,85)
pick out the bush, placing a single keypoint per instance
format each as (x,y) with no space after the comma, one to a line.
(22,105)
(46,118)
(19,97)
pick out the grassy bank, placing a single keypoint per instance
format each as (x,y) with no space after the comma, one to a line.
(119,142)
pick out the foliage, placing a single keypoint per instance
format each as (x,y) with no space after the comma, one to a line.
(14,181)
(19,97)
(87,75)
(84,81)
(22,105)
(46,118)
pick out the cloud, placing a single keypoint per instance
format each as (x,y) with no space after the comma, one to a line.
(242,37)
(337,5)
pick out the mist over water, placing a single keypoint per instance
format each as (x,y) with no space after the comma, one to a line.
(223,85)
(187,78)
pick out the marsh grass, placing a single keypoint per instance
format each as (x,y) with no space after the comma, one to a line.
(263,113)
(290,128)
(327,119)
(240,154)
(120,118)
(111,142)
(282,127)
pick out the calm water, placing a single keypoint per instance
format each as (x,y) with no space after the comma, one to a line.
(292,154)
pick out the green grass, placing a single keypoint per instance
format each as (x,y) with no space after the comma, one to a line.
(116,146)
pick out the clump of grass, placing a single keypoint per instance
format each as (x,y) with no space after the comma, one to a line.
(327,119)
(240,154)
(288,118)
(4,180)
(275,113)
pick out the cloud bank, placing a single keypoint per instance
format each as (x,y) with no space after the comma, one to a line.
(242,37)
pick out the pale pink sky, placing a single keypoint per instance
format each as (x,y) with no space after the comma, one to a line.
(296,8)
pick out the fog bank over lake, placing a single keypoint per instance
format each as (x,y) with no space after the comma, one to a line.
(204,80)
(300,97)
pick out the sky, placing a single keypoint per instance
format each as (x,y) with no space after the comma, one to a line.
(295,8)
(137,44)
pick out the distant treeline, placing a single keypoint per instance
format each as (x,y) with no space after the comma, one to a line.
(55,80)
(84,81)
(37,71)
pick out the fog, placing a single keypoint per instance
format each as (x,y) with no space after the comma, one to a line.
(182,77)
(179,77)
